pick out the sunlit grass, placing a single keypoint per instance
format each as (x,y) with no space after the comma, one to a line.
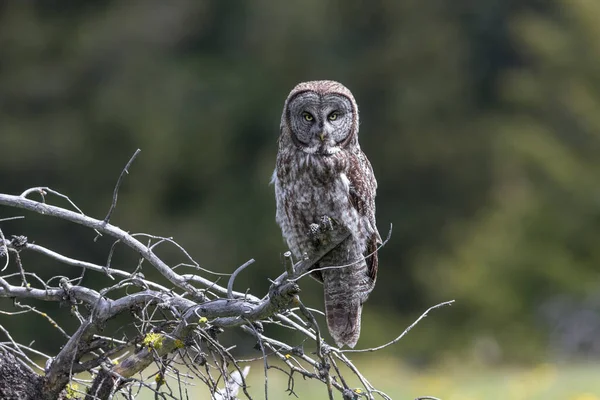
(541,382)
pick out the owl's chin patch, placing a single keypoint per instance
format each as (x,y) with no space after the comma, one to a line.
(324,151)
(331,150)
(310,149)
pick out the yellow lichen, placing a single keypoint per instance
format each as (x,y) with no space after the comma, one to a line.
(154,340)
(71,390)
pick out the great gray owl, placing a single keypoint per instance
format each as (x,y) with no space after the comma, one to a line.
(322,181)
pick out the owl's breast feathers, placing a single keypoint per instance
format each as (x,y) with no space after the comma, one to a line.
(341,186)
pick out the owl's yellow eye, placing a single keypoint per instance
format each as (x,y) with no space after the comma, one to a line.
(308,117)
(333,116)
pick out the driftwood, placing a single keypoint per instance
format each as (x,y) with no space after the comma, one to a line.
(178,324)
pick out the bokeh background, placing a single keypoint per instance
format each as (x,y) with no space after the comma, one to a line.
(480,117)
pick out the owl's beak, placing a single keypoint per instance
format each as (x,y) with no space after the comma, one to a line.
(322,136)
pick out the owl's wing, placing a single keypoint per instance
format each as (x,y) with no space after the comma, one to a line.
(363,186)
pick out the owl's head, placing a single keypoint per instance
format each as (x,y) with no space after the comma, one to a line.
(321,117)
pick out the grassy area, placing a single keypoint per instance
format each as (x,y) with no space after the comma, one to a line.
(542,382)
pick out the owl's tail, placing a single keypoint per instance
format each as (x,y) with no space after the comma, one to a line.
(343,318)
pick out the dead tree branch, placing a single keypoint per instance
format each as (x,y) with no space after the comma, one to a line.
(176,325)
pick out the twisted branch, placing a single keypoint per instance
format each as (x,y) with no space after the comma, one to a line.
(176,327)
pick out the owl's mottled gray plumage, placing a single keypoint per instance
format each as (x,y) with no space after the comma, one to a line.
(324,181)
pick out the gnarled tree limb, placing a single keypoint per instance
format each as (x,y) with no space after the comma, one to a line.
(174,326)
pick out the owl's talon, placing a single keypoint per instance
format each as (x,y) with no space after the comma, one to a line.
(326,223)
(314,230)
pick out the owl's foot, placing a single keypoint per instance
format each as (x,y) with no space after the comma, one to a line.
(314,230)
(319,232)
(326,223)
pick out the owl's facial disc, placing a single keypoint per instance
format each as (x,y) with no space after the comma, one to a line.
(320,123)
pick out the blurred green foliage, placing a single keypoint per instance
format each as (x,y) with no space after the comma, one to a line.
(479,117)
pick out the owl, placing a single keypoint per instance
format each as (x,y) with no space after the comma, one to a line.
(323,181)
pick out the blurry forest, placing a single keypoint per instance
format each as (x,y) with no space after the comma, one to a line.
(481,119)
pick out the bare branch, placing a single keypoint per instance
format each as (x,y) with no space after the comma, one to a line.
(11,218)
(308,271)
(233,385)
(45,209)
(118,185)
(4,251)
(445,303)
(170,326)
(234,275)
